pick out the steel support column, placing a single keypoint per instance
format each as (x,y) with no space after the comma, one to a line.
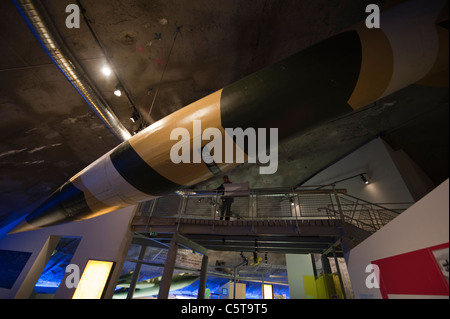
(203,274)
(339,273)
(137,271)
(168,271)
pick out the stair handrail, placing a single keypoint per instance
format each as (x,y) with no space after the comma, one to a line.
(377,204)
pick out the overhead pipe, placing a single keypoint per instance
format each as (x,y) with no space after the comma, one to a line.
(332,78)
(41,28)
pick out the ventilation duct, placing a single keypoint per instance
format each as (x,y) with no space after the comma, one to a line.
(74,73)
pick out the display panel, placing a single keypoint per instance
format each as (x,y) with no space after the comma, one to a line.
(93,280)
(267,291)
(11,265)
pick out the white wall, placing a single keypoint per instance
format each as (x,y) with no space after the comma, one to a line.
(298,265)
(386,184)
(103,238)
(423,225)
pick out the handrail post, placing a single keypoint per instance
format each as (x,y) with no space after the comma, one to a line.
(297,212)
(254,211)
(214,208)
(249,206)
(372,221)
(354,210)
(181,209)
(338,202)
(150,215)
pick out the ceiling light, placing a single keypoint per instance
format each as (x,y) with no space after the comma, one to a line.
(106,70)
(118,91)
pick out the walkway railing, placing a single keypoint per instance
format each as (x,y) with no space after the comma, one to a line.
(275,204)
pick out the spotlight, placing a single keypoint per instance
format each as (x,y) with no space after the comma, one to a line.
(291,201)
(364,179)
(106,70)
(135,117)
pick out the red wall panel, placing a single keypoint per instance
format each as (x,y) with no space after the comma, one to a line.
(417,272)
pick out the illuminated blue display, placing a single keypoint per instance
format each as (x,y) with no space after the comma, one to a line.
(55,268)
(253,289)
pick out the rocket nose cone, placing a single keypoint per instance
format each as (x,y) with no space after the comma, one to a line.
(22,227)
